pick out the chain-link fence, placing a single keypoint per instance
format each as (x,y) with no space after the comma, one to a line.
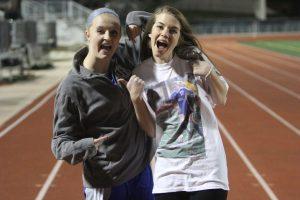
(247,26)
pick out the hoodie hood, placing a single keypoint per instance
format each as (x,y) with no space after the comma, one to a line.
(84,73)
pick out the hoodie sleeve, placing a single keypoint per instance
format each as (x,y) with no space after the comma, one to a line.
(68,141)
(138,18)
(128,55)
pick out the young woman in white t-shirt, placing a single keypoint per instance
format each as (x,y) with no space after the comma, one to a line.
(190,157)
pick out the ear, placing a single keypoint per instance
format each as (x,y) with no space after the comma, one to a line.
(149,41)
(149,44)
(87,34)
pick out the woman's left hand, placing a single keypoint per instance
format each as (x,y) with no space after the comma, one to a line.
(200,68)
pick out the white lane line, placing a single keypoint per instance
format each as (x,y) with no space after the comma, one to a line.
(27,114)
(256,76)
(261,64)
(247,162)
(265,108)
(49,180)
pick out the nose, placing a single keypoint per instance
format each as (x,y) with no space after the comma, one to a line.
(106,35)
(165,32)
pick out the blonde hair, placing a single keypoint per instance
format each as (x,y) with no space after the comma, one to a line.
(187,37)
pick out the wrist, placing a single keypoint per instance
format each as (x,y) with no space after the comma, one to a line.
(96,144)
(136,100)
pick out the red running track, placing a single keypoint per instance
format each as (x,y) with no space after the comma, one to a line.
(259,126)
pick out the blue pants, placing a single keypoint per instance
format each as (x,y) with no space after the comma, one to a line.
(138,188)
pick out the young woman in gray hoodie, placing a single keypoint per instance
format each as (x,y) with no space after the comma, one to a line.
(101,121)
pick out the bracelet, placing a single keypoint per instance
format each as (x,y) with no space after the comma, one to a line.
(208,73)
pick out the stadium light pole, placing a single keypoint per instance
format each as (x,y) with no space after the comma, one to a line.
(260,9)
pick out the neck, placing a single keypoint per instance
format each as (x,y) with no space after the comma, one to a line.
(162,60)
(95,64)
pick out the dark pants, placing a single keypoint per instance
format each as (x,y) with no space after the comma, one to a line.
(138,188)
(213,194)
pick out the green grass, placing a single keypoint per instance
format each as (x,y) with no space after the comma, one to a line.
(290,47)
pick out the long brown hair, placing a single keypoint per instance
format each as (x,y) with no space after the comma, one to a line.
(187,37)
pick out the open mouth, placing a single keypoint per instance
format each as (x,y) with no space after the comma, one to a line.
(106,47)
(161,44)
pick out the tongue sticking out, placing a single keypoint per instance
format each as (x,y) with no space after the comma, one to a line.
(161,45)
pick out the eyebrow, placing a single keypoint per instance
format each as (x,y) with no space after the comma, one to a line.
(109,28)
(174,27)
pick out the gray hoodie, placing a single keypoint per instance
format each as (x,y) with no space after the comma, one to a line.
(88,105)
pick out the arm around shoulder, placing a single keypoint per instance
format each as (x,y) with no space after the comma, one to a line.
(138,18)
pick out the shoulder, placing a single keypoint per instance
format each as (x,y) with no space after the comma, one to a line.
(180,64)
(180,61)
(69,85)
(145,65)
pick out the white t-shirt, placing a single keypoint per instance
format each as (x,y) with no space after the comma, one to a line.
(190,154)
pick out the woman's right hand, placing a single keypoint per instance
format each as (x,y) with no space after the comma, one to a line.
(133,31)
(135,87)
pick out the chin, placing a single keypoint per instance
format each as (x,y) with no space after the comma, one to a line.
(158,54)
(103,56)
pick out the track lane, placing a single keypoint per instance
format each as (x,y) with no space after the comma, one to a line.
(268,144)
(243,182)
(282,81)
(25,153)
(278,67)
(67,184)
(263,139)
(281,103)
(264,56)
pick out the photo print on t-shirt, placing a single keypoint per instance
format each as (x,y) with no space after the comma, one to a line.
(177,107)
